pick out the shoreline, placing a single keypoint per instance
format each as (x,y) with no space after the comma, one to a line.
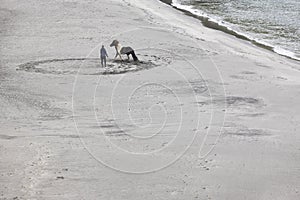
(207,22)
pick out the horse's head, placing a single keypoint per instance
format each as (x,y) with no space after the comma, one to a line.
(114,43)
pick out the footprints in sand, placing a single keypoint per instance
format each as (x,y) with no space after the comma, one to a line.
(206,164)
(35,170)
(92,66)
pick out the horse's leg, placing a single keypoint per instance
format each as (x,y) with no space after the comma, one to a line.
(116,52)
(120,56)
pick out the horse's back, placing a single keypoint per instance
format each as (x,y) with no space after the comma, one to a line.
(126,50)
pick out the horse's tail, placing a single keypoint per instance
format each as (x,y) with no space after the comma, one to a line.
(134,56)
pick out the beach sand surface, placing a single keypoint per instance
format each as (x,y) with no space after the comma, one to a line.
(204,115)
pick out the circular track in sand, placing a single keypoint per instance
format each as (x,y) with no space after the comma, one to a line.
(92,66)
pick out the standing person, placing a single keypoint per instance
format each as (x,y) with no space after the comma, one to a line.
(103,55)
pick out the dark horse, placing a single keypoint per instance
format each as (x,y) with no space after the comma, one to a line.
(123,50)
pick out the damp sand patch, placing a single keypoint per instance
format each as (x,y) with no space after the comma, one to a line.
(239,130)
(233,101)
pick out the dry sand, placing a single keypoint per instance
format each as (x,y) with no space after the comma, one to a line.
(205,116)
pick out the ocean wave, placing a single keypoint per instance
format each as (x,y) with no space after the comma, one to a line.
(218,24)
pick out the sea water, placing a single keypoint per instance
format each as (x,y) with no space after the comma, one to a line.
(273,23)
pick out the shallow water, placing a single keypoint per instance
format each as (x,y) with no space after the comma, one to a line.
(274,23)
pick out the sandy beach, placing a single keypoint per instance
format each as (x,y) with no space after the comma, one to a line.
(203,115)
